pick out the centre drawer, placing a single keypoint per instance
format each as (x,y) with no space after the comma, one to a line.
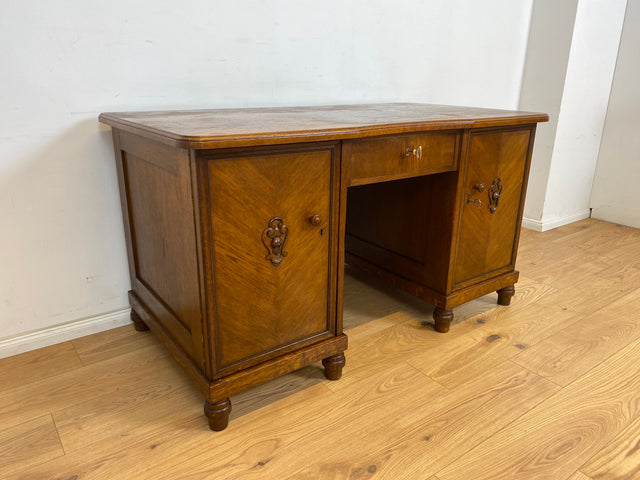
(400,156)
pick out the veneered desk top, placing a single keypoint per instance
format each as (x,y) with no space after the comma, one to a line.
(203,129)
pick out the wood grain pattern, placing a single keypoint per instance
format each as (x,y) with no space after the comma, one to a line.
(469,355)
(24,402)
(156,194)
(590,340)
(29,443)
(620,460)
(201,129)
(38,364)
(395,225)
(400,156)
(109,344)
(579,476)
(290,444)
(289,301)
(127,409)
(556,437)
(432,435)
(488,239)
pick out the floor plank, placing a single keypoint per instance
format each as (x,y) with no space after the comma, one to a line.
(579,476)
(111,343)
(436,431)
(499,339)
(555,438)
(38,364)
(580,346)
(30,443)
(620,460)
(257,445)
(302,436)
(22,403)
(368,355)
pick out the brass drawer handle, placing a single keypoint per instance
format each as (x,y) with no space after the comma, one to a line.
(414,151)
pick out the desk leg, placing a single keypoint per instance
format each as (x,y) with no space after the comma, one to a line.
(333,366)
(218,414)
(505,294)
(138,323)
(443,318)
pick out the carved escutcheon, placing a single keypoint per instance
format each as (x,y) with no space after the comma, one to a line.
(274,237)
(495,190)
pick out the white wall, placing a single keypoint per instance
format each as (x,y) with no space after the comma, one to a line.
(62,254)
(574,89)
(615,196)
(592,59)
(550,36)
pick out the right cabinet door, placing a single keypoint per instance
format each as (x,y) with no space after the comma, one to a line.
(494,182)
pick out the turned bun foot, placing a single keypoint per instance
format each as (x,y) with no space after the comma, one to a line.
(333,366)
(443,318)
(505,294)
(218,414)
(138,323)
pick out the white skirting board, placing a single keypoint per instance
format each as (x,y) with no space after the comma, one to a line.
(548,224)
(62,333)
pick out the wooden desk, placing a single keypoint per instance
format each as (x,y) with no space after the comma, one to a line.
(238,223)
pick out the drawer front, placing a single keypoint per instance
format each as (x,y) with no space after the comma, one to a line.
(400,156)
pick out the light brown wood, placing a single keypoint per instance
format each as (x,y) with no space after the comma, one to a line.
(583,344)
(580,476)
(471,354)
(110,344)
(24,402)
(115,417)
(29,443)
(620,460)
(38,364)
(561,433)
(430,436)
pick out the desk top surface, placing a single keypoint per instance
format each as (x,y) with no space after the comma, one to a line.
(204,129)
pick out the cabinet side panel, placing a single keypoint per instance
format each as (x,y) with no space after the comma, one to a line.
(162,237)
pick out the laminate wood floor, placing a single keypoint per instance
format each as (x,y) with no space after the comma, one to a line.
(547,388)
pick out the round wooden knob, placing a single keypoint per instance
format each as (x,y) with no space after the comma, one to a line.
(315,220)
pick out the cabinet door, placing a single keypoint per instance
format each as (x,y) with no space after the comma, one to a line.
(272,225)
(493,194)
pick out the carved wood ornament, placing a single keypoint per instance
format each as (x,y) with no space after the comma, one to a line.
(495,190)
(274,237)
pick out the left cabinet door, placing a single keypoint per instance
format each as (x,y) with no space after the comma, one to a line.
(272,241)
